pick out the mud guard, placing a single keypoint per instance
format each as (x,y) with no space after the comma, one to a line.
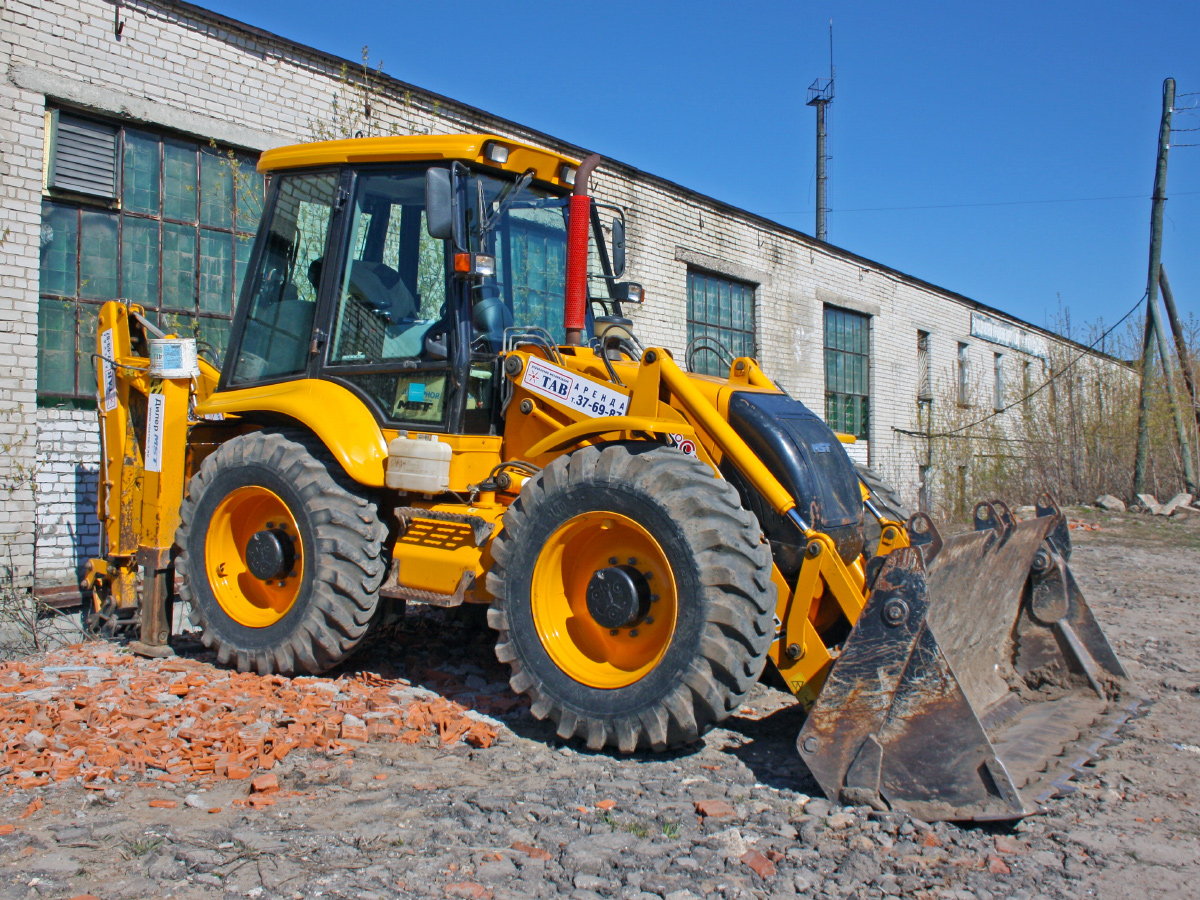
(974,665)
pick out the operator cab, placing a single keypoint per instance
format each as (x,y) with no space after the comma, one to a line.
(354,280)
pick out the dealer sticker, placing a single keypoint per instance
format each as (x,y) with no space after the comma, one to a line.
(156,414)
(587,396)
(107,372)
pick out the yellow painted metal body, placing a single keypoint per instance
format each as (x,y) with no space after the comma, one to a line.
(651,398)
(547,165)
(339,418)
(695,407)
(439,557)
(144,461)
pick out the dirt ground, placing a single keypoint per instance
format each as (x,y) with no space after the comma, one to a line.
(736,816)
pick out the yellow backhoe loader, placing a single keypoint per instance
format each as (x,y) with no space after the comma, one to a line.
(431,394)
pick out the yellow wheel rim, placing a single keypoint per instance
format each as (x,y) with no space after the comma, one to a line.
(249,600)
(582,648)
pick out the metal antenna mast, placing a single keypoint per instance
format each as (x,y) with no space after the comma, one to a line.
(821,95)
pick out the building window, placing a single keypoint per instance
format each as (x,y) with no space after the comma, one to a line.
(924,382)
(847,371)
(964,376)
(176,240)
(723,310)
(1026,379)
(998,382)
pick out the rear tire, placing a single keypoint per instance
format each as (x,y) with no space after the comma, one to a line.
(660,680)
(315,611)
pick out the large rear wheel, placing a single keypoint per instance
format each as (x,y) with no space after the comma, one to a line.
(281,560)
(633,596)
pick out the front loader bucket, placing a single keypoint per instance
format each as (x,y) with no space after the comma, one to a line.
(975,666)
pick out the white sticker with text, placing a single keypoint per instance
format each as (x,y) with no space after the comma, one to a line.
(107,370)
(573,390)
(156,414)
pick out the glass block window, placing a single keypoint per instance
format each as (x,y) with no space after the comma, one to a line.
(177,242)
(847,371)
(721,309)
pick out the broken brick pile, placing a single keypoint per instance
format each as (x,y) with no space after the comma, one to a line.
(101,716)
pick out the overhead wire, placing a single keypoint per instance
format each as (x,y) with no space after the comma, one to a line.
(797,212)
(1092,346)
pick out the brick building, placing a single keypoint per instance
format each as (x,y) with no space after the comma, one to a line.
(182,101)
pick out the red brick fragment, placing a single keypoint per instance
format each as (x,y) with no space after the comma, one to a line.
(7,829)
(759,863)
(34,806)
(468,890)
(712,809)
(237,772)
(997,866)
(531,851)
(606,804)
(1010,845)
(265,784)
(163,804)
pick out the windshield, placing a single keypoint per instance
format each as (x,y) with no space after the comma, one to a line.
(529,241)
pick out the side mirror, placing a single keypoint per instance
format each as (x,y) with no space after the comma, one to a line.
(618,247)
(628,292)
(441,210)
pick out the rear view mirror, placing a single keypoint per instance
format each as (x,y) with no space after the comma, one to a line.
(618,247)
(441,211)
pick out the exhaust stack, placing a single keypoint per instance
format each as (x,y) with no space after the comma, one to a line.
(575,306)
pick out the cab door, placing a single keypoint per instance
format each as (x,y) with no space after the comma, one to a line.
(390,334)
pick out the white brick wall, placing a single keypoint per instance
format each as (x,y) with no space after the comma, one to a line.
(68,532)
(180,67)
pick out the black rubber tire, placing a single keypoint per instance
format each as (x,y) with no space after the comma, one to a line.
(886,499)
(338,593)
(726,599)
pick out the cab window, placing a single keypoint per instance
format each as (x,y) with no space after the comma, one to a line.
(277,335)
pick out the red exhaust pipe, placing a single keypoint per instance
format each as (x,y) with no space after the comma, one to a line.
(575,309)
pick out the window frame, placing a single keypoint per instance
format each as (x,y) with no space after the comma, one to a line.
(863,408)
(963,379)
(164,313)
(750,311)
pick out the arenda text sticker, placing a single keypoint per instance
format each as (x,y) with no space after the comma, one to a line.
(573,390)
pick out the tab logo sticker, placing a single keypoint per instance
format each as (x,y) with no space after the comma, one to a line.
(589,397)
(107,373)
(156,415)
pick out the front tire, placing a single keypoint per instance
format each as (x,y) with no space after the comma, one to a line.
(676,645)
(274,503)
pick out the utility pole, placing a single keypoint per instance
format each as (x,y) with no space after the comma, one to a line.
(1156,220)
(1181,350)
(820,96)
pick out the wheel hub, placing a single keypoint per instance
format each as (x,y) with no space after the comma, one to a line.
(270,554)
(618,596)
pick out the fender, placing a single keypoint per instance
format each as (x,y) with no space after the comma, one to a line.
(333,413)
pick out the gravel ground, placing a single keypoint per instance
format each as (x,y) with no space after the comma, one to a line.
(733,817)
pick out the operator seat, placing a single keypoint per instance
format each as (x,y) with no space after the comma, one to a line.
(382,288)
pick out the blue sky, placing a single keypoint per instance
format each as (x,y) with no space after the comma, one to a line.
(973,109)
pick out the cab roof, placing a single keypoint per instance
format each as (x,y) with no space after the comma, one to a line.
(547,165)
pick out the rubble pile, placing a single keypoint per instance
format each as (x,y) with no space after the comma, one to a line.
(91,713)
